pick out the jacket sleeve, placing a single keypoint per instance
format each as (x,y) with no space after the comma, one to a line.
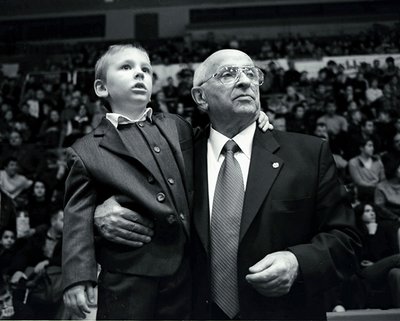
(332,253)
(78,251)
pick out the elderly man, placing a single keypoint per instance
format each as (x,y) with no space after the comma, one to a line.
(271,228)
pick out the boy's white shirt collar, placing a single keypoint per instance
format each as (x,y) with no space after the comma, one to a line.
(244,139)
(118,119)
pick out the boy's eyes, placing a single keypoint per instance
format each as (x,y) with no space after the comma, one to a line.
(129,67)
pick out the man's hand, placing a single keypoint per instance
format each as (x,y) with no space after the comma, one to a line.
(121,225)
(78,298)
(274,275)
(17,276)
(40,268)
(263,122)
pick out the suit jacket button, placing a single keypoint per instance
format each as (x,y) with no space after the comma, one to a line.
(182,216)
(150,179)
(171,181)
(161,197)
(171,219)
(141,124)
(157,149)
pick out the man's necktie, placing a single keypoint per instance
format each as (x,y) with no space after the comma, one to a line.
(225,227)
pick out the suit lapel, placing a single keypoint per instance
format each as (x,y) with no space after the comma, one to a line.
(113,142)
(264,168)
(201,203)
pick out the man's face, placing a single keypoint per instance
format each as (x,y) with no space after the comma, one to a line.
(58,221)
(240,99)
(330,108)
(39,189)
(8,239)
(11,168)
(15,139)
(129,78)
(54,116)
(368,148)
(280,124)
(368,127)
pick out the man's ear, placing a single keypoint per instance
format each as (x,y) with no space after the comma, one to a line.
(100,88)
(199,97)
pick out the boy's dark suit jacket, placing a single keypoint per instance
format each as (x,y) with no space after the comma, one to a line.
(101,165)
(293,202)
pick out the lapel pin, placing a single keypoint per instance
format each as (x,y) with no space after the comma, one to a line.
(275,165)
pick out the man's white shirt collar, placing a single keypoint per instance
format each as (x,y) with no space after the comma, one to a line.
(244,140)
(118,119)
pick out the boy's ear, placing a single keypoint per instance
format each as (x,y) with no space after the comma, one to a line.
(100,88)
(199,97)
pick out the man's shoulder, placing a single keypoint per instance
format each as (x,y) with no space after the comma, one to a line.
(296,139)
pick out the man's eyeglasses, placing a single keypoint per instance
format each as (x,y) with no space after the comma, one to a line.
(228,75)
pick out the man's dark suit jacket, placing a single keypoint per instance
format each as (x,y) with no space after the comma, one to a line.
(293,202)
(100,166)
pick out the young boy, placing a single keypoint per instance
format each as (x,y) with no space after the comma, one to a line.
(148,159)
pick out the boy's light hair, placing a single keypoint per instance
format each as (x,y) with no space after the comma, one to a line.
(100,69)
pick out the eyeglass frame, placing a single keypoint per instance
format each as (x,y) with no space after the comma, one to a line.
(260,72)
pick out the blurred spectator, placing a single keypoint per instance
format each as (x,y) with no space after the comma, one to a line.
(387,193)
(373,93)
(50,132)
(7,212)
(280,122)
(380,258)
(376,71)
(390,70)
(291,76)
(367,132)
(10,308)
(296,122)
(360,86)
(39,207)
(12,183)
(335,123)
(28,155)
(170,90)
(291,98)
(366,170)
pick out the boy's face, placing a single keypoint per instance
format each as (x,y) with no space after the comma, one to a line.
(128,79)
(8,239)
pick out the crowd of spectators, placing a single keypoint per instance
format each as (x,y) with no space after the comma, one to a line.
(359,117)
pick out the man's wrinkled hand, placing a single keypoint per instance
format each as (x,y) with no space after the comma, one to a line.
(275,274)
(122,225)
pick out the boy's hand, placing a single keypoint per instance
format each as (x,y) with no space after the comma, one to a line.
(78,298)
(122,225)
(263,122)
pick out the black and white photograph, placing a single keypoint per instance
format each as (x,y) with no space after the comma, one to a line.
(200,160)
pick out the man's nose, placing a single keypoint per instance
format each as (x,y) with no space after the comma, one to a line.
(243,80)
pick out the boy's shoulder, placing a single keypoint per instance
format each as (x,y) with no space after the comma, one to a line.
(87,141)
